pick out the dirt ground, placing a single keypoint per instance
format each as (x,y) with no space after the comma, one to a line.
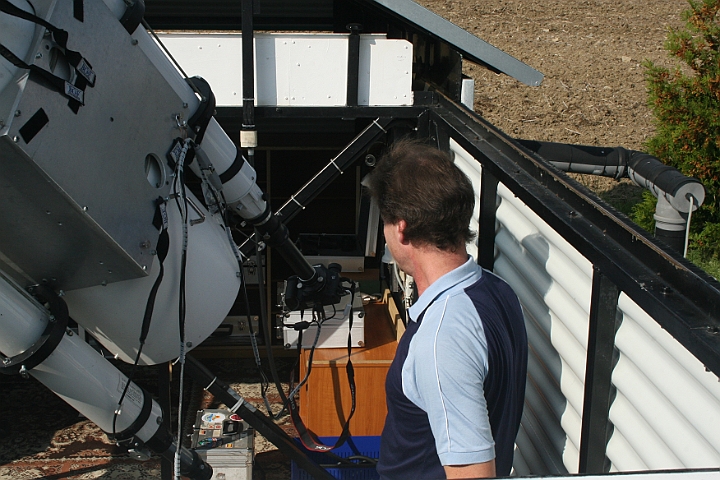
(591,53)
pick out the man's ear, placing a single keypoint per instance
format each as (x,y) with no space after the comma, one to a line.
(401,226)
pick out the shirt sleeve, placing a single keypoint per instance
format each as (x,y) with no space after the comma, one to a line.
(444,375)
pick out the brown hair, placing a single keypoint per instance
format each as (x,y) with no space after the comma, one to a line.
(420,184)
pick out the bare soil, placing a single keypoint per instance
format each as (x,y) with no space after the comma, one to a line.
(591,53)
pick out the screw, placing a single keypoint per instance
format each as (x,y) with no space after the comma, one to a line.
(18,113)
(159,420)
(69,332)
(38,55)
(51,318)
(133,42)
(6,361)
(188,344)
(23,372)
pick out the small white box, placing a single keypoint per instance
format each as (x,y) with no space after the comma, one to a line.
(333,331)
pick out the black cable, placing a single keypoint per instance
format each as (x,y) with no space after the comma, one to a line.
(266,331)
(161,250)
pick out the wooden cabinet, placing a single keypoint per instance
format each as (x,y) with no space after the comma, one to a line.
(325,399)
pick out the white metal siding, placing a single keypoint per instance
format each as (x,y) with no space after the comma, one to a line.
(553,282)
(473,170)
(667,411)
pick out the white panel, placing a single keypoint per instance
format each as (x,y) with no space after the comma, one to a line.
(297,69)
(385,74)
(473,169)
(467,93)
(668,407)
(216,58)
(310,70)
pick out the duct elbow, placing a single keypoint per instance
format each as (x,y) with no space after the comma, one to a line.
(681,192)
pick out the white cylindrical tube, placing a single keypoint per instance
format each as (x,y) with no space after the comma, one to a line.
(241,191)
(74,370)
(93,386)
(22,321)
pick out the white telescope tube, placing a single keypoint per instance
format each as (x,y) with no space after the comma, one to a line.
(74,370)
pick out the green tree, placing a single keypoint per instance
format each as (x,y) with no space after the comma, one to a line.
(686,105)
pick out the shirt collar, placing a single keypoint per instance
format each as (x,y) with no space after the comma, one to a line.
(467,273)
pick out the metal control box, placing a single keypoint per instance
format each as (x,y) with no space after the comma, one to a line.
(226,442)
(333,331)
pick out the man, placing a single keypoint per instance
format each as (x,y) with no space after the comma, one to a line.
(456,387)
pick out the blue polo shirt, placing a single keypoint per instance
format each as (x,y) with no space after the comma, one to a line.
(456,387)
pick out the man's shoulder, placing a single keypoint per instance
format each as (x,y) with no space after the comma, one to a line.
(490,284)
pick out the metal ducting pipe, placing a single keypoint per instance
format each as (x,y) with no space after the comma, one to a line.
(677,194)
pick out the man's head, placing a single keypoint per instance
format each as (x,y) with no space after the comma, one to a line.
(421,185)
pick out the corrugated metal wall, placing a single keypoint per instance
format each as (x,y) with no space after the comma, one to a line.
(665,413)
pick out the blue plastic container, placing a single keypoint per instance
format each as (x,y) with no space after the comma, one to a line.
(362,447)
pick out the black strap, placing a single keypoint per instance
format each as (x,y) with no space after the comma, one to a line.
(309,440)
(233,169)
(79,10)
(160,221)
(75,94)
(139,421)
(60,36)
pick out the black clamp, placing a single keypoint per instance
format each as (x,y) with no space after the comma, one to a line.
(133,16)
(205,111)
(48,341)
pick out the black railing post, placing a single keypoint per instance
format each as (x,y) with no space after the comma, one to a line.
(488,210)
(353,71)
(596,425)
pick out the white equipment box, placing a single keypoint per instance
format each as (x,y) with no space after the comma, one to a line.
(334,331)
(226,442)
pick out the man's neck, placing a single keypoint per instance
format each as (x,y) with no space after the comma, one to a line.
(429,264)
